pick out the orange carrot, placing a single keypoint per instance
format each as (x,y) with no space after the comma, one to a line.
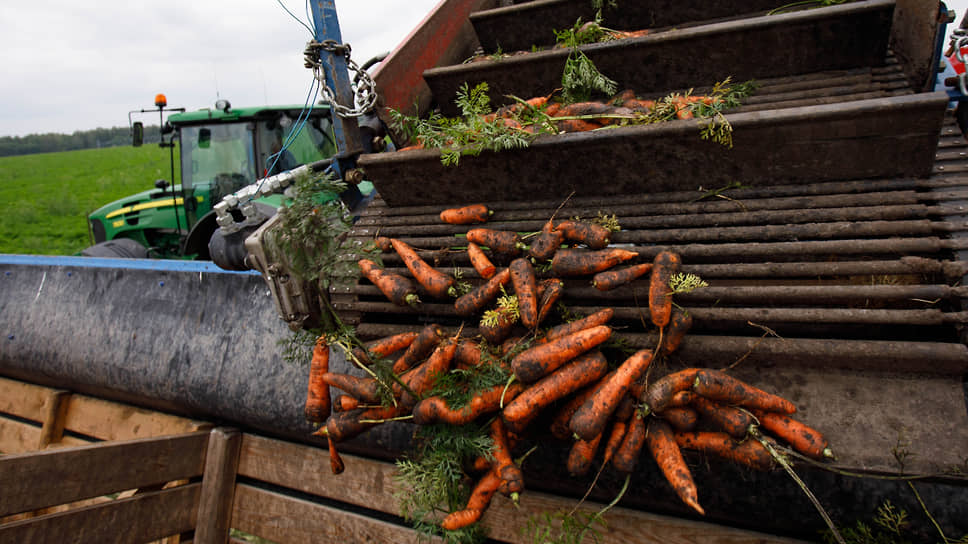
(533,363)
(468,354)
(345,425)
(466,215)
(665,451)
(549,291)
(345,403)
(566,380)
(749,453)
(473,302)
(559,423)
(610,279)
(335,461)
(679,324)
(510,473)
(680,418)
(800,436)
(615,438)
(317,395)
(383,347)
(729,419)
(717,385)
(591,417)
(422,378)
(525,287)
(600,317)
(546,243)
(479,261)
(400,290)
(593,235)
(575,125)
(365,390)
(582,454)
(659,395)
(579,262)
(436,283)
(480,499)
(427,339)
(501,241)
(498,331)
(435,409)
(627,454)
(383,243)
(660,295)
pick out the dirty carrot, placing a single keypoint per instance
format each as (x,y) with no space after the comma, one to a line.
(468,354)
(345,425)
(533,363)
(427,339)
(575,125)
(435,409)
(366,390)
(345,403)
(591,417)
(479,261)
(501,241)
(566,380)
(610,279)
(435,282)
(665,451)
(679,324)
(600,317)
(582,454)
(664,266)
(549,291)
(615,437)
(580,262)
(627,454)
(593,235)
(717,385)
(559,423)
(510,473)
(317,395)
(525,287)
(400,290)
(466,215)
(749,453)
(500,329)
(546,243)
(422,378)
(680,418)
(473,302)
(384,347)
(335,461)
(800,436)
(480,499)
(659,395)
(383,243)
(729,419)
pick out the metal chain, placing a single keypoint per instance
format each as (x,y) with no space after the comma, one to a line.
(364,88)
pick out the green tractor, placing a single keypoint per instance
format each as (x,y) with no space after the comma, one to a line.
(222,150)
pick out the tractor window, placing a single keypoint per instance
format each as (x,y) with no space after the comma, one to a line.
(313,143)
(225,157)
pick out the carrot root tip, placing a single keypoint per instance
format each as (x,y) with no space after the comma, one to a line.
(827,453)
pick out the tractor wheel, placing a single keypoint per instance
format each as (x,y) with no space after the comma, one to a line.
(120,248)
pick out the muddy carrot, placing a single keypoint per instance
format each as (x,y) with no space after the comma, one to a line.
(533,363)
(435,409)
(593,235)
(510,473)
(383,243)
(365,390)
(627,454)
(480,499)
(591,417)
(610,279)
(559,423)
(468,354)
(501,241)
(525,287)
(729,419)
(479,261)
(383,347)
(579,262)
(345,425)
(466,215)
(473,302)
(427,339)
(600,317)
(422,378)
(335,461)
(575,125)
(549,291)
(659,395)
(665,451)
(317,395)
(800,436)
(571,377)
(400,290)
(748,453)
(582,454)
(664,266)
(546,243)
(435,282)
(498,328)
(679,324)
(680,418)
(717,385)
(615,437)
(345,403)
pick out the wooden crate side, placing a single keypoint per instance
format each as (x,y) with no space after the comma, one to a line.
(17,436)
(23,400)
(140,518)
(285,519)
(41,479)
(218,486)
(115,421)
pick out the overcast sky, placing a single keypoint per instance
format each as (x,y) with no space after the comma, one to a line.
(70,65)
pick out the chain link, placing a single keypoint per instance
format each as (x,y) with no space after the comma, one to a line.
(364,88)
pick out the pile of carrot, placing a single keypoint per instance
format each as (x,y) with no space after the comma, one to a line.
(604,410)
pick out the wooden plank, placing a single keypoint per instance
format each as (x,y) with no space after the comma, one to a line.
(37,480)
(17,436)
(285,519)
(23,400)
(218,486)
(137,519)
(114,421)
(54,414)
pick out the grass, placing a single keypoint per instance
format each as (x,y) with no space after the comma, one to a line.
(46,197)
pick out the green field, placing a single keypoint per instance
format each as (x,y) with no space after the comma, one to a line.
(47,196)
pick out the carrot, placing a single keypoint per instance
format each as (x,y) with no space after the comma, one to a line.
(680,418)
(571,377)
(659,395)
(466,215)
(510,473)
(473,302)
(664,266)
(801,437)
(468,354)
(582,454)
(317,394)
(559,423)
(579,262)
(665,451)
(427,339)
(610,279)
(383,347)
(436,283)
(627,454)
(479,501)
(422,378)
(383,243)
(335,461)
(749,453)
(622,97)
(345,403)
(365,390)
(525,287)
(345,425)
(679,324)
(400,290)
(479,261)
(500,329)
(584,109)
(600,317)
(731,420)
(435,409)
(574,125)
(637,105)
(593,235)
(615,438)
(501,241)
(533,363)
(549,291)
(680,399)
(591,417)
(717,385)
(546,243)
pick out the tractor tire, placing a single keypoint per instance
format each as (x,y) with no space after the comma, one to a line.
(120,248)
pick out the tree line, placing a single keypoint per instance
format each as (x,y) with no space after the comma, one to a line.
(80,139)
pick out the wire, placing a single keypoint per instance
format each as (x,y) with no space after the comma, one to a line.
(300,21)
